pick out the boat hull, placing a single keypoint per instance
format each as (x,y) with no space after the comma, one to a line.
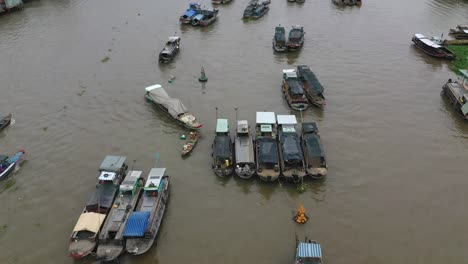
(294,174)
(268,175)
(453,100)
(81,248)
(223,172)
(7,171)
(317,173)
(109,252)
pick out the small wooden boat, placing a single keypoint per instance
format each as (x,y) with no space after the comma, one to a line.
(266,147)
(209,16)
(314,155)
(84,237)
(190,144)
(295,38)
(218,2)
(172,106)
(431,48)
(308,251)
(347,2)
(5,121)
(255,9)
(312,87)
(193,10)
(111,241)
(244,149)
(279,40)
(291,157)
(459,32)
(457,93)
(144,223)
(170,50)
(8,164)
(293,90)
(248,12)
(223,164)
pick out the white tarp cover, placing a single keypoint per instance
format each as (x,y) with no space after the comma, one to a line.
(89,222)
(286,119)
(160,96)
(266,118)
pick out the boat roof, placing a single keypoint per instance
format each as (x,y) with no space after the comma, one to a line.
(266,128)
(112,163)
(174,39)
(266,118)
(89,222)
(129,182)
(222,126)
(107,176)
(242,126)
(136,224)
(152,87)
(288,128)
(309,250)
(290,73)
(286,119)
(154,179)
(464,73)
(426,41)
(199,16)
(222,147)
(244,150)
(190,13)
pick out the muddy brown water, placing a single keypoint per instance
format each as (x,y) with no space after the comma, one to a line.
(396,190)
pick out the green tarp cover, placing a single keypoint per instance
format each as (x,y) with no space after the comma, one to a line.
(222,126)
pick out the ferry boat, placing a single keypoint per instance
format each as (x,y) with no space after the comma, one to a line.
(266,147)
(223,164)
(144,223)
(292,159)
(111,241)
(84,237)
(245,159)
(457,93)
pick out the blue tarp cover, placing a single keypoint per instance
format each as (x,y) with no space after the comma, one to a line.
(190,13)
(309,250)
(136,224)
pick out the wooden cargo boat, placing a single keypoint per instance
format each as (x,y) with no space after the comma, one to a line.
(291,157)
(111,241)
(293,91)
(172,106)
(83,239)
(5,121)
(295,38)
(312,87)
(8,164)
(279,39)
(457,93)
(144,223)
(190,144)
(170,50)
(266,147)
(314,155)
(193,10)
(431,48)
(223,164)
(308,252)
(244,149)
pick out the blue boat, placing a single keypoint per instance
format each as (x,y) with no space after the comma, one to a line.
(193,10)
(8,164)
(308,252)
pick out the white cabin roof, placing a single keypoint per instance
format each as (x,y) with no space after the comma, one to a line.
(426,40)
(288,128)
(107,176)
(152,87)
(129,181)
(290,73)
(286,119)
(419,36)
(266,118)
(173,39)
(242,126)
(154,178)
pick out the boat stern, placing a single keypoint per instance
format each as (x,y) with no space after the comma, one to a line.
(317,173)
(80,248)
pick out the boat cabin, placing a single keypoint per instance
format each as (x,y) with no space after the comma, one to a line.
(114,164)
(266,124)
(152,186)
(130,183)
(308,253)
(107,177)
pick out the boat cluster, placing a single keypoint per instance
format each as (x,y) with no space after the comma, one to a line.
(274,149)
(196,16)
(123,213)
(294,41)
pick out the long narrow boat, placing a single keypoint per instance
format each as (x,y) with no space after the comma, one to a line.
(292,159)
(316,164)
(266,147)
(223,164)
(8,164)
(190,144)
(279,39)
(83,239)
(293,90)
(308,252)
(244,150)
(457,93)
(312,87)
(431,48)
(111,240)
(143,224)
(156,95)
(5,121)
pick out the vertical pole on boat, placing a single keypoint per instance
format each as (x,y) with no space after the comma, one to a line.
(216,108)
(133,164)
(157,159)
(235,108)
(300,110)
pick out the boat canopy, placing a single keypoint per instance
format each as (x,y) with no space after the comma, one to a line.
(309,127)
(173,39)
(309,250)
(286,119)
(426,41)
(112,163)
(280,34)
(307,75)
(290,73)
(136,224)
(266,128)
(242,126)
(266,118)
(130,181)
(222,147)
(154,179)
(89,222)
(107,176)
(159,95)
(313,145)
(296,32)
(267,150)
(291,146)
(222,126)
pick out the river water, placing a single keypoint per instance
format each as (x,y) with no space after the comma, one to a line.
(396,189)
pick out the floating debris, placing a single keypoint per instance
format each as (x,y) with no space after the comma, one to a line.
(203,77)
(106,59)
(300,216)
(183,137)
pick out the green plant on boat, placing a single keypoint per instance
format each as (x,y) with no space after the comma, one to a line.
(461,59)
